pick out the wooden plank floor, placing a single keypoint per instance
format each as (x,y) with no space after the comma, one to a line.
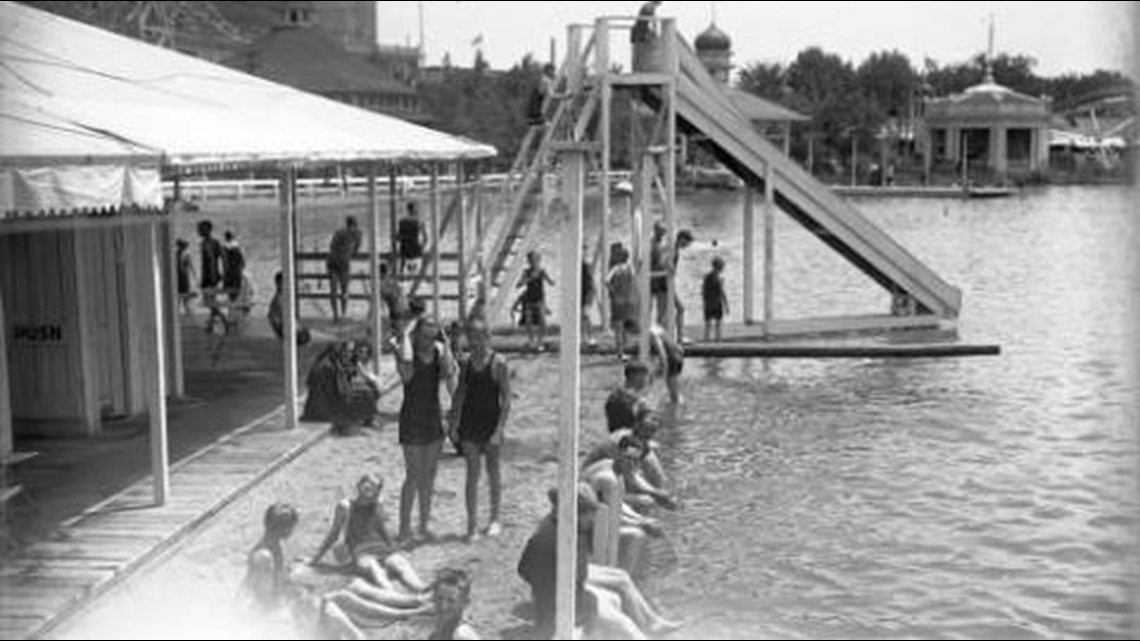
(46,582)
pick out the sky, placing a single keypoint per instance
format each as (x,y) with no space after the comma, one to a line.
(1062,36)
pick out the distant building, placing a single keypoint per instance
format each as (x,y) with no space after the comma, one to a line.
(774,122)
(987,131)
(351,24)
(328,48)
(300,52)
(714,48)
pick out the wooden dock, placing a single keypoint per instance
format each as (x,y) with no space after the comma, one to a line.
(970,193)
(48,581)
(826,338)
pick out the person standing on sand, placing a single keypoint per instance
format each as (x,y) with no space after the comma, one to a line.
(213,267)
(343,248)
(533,300)
(234,259)
(392,293)
(424,362)
(185,275)
(484,401)
(412,239)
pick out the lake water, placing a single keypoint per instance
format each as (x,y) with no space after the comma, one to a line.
(992,498)
(984,498)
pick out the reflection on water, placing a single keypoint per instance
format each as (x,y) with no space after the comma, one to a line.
(945,499)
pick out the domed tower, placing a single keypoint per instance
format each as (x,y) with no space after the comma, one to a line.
(714,48)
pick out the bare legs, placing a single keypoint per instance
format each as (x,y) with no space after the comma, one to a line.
(338,294)
(633,602)
(475,455)
(395,566)
(421,464)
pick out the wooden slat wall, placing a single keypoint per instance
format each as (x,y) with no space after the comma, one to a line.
(39,284)
(6,436)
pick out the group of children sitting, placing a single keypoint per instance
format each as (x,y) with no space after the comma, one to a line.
(386,588)
(621,481)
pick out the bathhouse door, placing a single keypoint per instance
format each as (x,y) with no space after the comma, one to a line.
(37,274)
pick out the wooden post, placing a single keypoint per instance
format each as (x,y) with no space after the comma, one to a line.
(394,218)
(964,151)
(645,270)
(289,289)
(156,377)
(672,67)
(602,70)
(480,195)
(484,290)
(174,311)
(769,249)
(6,430)
(435,241)
(750,255)
(571,357)
(927,141)
(374,262)
(461,230)
(133,276)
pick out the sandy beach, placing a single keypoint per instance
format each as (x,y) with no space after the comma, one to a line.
(190,594)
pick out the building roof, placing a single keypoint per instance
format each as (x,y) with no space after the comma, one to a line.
(310,59)
(759,109)
(713,40)
(988,100)
(192,113)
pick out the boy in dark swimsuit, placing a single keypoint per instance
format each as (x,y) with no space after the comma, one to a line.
(484,401)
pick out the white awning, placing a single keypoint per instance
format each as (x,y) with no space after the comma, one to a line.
(194,113)
(78,190)
(50,166)
(1076,140)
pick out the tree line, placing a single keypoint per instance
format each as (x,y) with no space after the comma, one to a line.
(845,101)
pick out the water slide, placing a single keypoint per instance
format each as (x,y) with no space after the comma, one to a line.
(703,108)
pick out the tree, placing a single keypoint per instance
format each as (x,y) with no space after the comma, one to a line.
(826,87)
(485,106)
(1016,72)
(1012,71)
(817,78)
(954,79)
(1071,90)
(889,81)
(767,80)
